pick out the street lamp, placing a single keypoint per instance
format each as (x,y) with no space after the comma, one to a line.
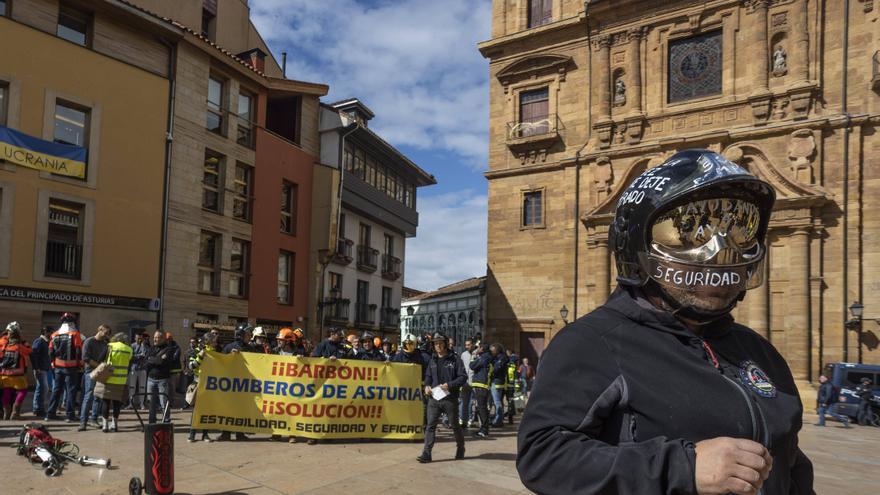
(563,312)
(856,309)
(410,310)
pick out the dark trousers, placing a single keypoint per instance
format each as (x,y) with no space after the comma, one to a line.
(482,397)
(107,404)
(66,379)
(511,408)
(448,405)
(864,414)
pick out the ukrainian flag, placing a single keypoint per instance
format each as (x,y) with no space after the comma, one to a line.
(28,151)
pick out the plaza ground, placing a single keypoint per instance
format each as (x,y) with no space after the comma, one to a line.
(847,461)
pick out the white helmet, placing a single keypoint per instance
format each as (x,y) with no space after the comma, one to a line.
(259,332)
(13,327)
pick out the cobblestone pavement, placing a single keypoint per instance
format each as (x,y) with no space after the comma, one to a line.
(846,462)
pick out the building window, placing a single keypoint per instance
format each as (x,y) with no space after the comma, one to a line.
(71,124)
(209,263)
(285,265)
(288,208)
(533,209)
(64,240)
(534,113)
(336,282)
(364,235)
(215,106)
(389,245)
(540,12)
(245,115)
(4,8)
(241,203)
(209,16)
(239,264)
(74,25)
(4,101)
(695,67)
(207,317)
(212,182)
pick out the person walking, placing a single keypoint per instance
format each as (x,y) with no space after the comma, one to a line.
(14,358)
(444,377)
(112,391)
(464,409)
(137,381)
(66,359)
(94,352)
(159,364)
(481,369)
(865,392)
(526,375)
(41,368)
(825,398)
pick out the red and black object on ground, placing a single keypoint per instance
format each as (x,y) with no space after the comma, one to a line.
(158,458)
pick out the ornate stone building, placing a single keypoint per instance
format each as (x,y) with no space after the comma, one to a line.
(585,96)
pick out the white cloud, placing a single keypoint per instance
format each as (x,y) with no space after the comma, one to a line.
(451,241)
(414,62)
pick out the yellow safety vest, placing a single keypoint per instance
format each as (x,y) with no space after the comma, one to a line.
(118,355)
(511,377)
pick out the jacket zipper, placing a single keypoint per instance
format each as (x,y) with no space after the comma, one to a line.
(735,385)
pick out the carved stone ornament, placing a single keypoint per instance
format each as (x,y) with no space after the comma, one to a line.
(780,62)
(619,92)
(801,151)
(603,178)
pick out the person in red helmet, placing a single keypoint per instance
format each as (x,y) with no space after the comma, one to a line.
(65,357)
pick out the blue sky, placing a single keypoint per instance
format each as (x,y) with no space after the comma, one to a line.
(415,64)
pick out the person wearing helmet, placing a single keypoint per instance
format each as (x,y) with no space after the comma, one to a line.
(387,349)
(300,344)
(14,354)
(260,341)
(482,368)
(659,390)
(242,342)
(330,348)
(865,391)
(66,359)
(368,349)
(446,373)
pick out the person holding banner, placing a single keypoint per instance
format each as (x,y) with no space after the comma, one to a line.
(368,349)
(194,364)
(330,348)
(444,377)
(242,342)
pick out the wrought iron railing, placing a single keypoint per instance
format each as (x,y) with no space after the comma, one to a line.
(390,317)
(368,258)
(342,255)
(547,125)
(390,267)
(63,259)
(365,314)
(337,310)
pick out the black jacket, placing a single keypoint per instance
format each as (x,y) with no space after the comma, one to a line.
(827,394)
(240,346)
(481,366)
(326,348)
(371,355)
(160,361)
(625,392)
(864,392)
(448,370)
(499,369)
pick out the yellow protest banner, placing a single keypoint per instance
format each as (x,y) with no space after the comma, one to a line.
(309,397)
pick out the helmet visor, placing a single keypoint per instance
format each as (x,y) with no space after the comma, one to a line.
(718,231)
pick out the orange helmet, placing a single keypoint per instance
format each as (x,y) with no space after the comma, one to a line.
(285,334)
(298,333)
(352,338)
(377,342)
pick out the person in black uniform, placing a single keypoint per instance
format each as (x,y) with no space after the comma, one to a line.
(481,365)
(445,370)
(368,350)
(864,392)
(659,391)
(242,342)
(331,347)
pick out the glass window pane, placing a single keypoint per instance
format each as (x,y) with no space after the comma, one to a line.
(207,249)
(3,7)
(695,66)
(244,107)
(73,26)
(215,94)
(283,267)
(70,125)
(4,96)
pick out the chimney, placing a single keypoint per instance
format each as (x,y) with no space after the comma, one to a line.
(254,57)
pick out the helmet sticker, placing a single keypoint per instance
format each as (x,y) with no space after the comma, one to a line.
(755,379)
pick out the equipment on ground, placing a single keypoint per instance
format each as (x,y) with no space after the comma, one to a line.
(158,455)
(51,454)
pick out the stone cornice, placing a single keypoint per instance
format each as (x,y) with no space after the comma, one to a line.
(493,44)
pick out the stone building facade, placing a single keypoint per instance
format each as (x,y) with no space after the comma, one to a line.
(586,96)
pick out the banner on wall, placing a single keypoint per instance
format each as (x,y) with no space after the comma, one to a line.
(309,397)
(62,159)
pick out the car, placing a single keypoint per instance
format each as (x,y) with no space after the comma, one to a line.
(846,377)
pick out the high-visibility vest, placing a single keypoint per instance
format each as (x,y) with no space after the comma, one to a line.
(512,382)
(14,358)
(119,356)
(66,345)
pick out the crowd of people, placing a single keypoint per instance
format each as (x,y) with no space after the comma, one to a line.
(90,380)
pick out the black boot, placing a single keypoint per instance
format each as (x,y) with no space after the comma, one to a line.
(424,458)
(459,452)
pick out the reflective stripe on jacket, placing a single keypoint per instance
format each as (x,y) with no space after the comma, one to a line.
(14,358)
(119,356)
(65,348)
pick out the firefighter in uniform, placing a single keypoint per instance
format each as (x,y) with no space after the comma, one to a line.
(481,365)
(512,386)
(14,355)
(65,355)
(659,391)
(446,372)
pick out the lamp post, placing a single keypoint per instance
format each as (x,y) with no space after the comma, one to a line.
(563,313)
(856,309)
(410,311)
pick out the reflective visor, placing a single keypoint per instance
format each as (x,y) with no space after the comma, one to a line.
(718,231)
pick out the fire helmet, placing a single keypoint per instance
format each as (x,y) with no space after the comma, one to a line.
(68,318)
(241,329)
(258,332)
(13,327)
(696,222)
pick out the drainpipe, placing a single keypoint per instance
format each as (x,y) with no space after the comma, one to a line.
(169,141)
(845,178)
(326,263)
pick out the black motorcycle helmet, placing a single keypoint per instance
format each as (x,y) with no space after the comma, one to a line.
(696,222)
(241,329)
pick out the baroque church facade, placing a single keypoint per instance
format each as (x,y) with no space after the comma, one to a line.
(585,96)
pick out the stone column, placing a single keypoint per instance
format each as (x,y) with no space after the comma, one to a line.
(603,269)
(800,45)
(601,70)
(760,60)
(634,59)
(798,304)
(757,299)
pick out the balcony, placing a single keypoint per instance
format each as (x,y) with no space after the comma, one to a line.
(63,259)
(342,255)
(536,133)
(368,259)
(390,318)
(365,314)
(336,312)
(390,267)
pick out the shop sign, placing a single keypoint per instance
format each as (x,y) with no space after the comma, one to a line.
(72,298)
